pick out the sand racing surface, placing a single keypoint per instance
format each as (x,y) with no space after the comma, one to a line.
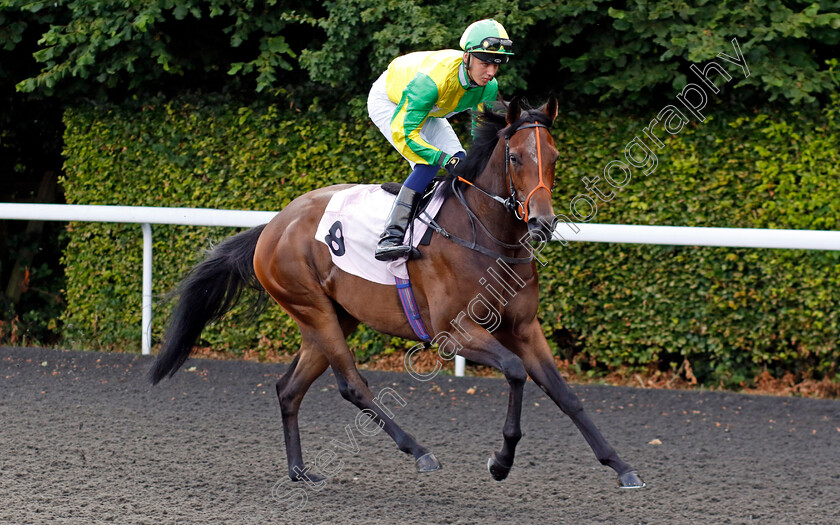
(86,439)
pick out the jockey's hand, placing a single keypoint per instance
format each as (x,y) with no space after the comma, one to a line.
(453,161)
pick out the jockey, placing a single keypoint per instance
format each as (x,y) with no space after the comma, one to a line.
(410,102)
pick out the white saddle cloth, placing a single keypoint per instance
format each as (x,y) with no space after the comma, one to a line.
(352,223)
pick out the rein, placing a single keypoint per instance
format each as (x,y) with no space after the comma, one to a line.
(512,204)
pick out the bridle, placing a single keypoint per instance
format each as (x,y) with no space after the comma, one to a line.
(511,203)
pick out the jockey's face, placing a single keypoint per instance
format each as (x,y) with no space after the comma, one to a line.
(480,72)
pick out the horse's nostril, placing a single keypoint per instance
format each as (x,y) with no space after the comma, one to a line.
(541,223)
(540,228)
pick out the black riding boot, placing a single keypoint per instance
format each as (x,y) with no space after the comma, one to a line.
(391,241)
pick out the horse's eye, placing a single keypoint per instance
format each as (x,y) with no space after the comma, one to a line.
(513,159)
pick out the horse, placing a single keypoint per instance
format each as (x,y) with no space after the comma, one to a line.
(513,154)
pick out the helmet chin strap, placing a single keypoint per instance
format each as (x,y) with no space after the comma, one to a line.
(467,70)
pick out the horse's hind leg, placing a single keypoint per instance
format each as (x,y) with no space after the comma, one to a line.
(308,365)
(353,388)
(536,355)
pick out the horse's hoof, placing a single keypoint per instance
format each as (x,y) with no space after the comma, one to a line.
(310,477)
(630,480)
(427,463)
(496,469)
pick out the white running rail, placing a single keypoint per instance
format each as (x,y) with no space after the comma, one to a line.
(697,236)
(616,233)
(145,216)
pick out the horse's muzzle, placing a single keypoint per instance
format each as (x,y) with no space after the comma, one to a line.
(541,228)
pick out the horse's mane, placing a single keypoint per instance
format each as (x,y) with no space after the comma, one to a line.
(490,127)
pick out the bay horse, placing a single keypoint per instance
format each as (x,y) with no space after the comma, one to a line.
(513,154)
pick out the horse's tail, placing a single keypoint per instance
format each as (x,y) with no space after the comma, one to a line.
(209,291)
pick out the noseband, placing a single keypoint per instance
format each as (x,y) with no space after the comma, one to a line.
(520,209)
(512,203)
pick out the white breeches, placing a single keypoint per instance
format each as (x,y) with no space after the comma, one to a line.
(436,131)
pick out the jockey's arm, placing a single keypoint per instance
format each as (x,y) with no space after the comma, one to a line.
(418,100)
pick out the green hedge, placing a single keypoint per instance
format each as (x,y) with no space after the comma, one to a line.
(192,153)
(730,312)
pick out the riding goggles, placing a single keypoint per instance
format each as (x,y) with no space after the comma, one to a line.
(494,44)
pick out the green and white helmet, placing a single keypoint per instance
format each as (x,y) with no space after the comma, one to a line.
(487,40)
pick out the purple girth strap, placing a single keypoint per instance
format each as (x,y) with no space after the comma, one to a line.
(412,312)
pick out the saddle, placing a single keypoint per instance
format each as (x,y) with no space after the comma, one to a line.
(353,221)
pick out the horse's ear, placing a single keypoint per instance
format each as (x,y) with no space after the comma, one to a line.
(550,107)
(513,110)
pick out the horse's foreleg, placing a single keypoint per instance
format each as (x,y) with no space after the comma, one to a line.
(536,355)
(494,354)
(306,368)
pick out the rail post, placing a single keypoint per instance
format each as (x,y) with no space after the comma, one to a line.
(146,320)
